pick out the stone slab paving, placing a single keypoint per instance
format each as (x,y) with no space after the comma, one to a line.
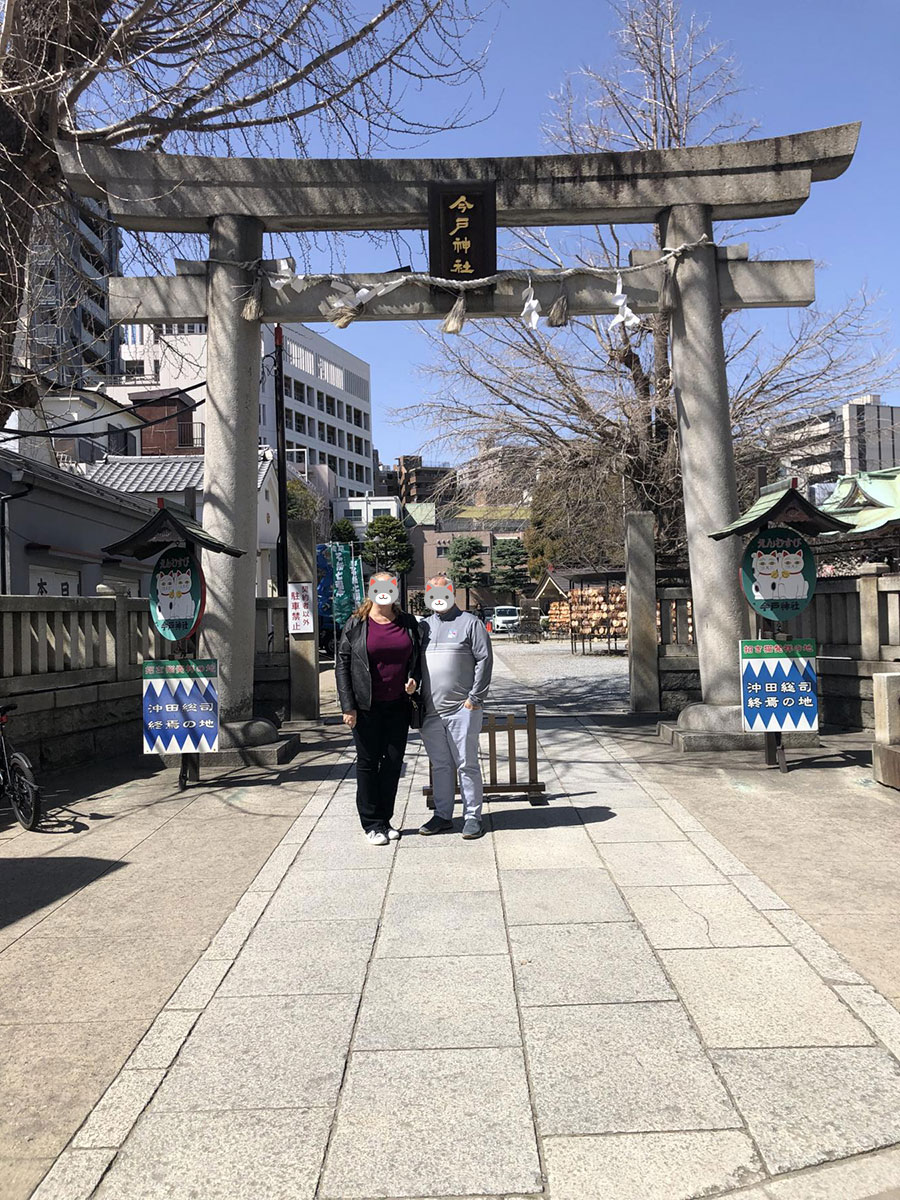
(569,1007)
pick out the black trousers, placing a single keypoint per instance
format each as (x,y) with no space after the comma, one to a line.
(380,736)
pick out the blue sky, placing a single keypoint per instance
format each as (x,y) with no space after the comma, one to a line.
(804,63)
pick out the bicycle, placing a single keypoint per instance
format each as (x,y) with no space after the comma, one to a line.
(18,789)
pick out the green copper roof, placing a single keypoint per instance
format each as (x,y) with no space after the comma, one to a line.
(868,500)
(785,506)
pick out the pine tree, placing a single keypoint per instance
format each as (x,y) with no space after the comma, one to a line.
(387,546)
(466,566)
(509,571)
(343,531)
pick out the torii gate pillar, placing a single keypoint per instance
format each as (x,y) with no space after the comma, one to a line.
(707,464)
(230,471)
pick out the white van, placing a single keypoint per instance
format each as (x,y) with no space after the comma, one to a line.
(505,619)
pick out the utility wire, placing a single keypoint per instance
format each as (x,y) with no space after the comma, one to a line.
(87,420)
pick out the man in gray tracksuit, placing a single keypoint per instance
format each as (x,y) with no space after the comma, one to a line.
(457,661)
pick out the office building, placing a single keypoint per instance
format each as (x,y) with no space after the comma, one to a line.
(65,335)
(861,435)
(328,411)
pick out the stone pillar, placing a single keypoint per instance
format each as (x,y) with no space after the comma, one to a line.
(232,438)
(707,463)
(303,647)
(870,611)
(640,596)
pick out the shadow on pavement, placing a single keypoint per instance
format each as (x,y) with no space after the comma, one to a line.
(545,817)
(30,884)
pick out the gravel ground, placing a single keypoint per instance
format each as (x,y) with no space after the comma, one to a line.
(557,680)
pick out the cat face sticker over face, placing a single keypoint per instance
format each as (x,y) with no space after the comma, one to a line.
(383,590)
(439,597)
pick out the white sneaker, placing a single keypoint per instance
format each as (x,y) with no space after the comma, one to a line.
(393,834)
(376,837)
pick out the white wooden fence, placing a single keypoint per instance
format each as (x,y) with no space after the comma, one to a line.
(49,642)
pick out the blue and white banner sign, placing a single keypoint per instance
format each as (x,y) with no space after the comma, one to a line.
(778,685)
(181,707)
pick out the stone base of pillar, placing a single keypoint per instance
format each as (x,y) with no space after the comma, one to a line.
(710,718)
(238,735)
(718,727)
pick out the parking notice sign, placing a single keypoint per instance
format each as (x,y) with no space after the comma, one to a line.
(778,685)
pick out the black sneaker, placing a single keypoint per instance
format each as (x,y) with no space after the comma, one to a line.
(436,825)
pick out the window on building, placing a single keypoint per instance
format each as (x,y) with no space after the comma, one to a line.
(288,388)
(368,474)
(331,435)
(288,419)
(320,401)
(381,512)
(341,441)
(312,457)
(342,491)
(354,514)
(262,414)
(358,445)
(329,405)
(332,463)
(441,551)
(117,440)
(360,478)
(300,423)
(365,420)
(342,467)
(340,409)
(367,449)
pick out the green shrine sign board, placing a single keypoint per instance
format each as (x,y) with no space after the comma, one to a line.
(177,594)
(778,574)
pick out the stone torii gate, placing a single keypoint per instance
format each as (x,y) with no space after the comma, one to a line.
(236,201)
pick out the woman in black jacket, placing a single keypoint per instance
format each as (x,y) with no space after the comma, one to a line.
(378,668)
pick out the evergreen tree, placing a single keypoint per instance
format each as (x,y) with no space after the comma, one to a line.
(387,546)
(302,503)
(509,571)
(343,531)
(466,566)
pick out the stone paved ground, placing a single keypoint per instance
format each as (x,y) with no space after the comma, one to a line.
(596,1000)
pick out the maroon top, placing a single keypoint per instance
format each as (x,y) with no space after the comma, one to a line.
(389,650)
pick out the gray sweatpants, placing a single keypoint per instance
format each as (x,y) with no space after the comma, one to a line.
(451,742)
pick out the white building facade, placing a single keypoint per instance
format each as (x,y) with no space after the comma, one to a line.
(362,510)
(328,408)
(861,435)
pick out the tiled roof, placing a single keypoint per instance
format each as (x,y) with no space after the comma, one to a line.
(71,481)
(159,472)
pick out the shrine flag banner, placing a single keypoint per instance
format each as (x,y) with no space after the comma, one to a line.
(778,685)
(348,592)
(180,706)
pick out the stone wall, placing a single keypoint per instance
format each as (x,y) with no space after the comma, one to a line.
(68,727)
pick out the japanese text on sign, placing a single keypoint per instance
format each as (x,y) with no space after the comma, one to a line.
(301,618)
(778,685)
(462,230)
